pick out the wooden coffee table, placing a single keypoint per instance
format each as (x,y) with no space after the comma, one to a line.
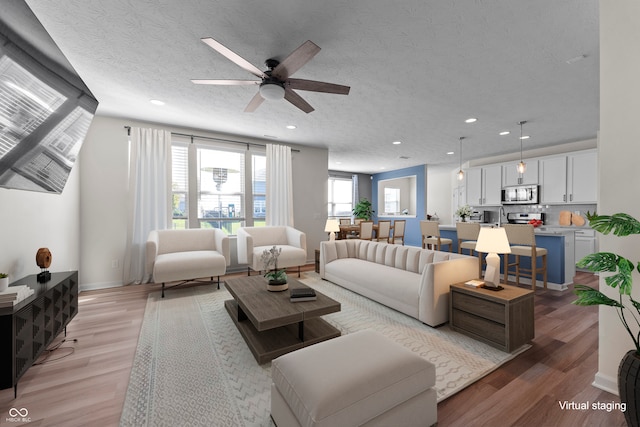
(272,325)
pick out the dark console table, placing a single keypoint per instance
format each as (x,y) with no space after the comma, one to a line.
(27,328)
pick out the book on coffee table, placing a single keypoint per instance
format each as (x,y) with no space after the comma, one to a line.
(302,294)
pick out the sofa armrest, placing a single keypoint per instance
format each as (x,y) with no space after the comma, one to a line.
(245,247)
(222,244)
(151,252)
(296,238)
(435,285)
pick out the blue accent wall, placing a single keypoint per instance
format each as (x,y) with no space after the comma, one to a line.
(412,235)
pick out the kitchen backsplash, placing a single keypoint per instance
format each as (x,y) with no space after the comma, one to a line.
(552,212)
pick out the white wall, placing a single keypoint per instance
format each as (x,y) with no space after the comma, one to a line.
(31,220)
(618,154)
(103,190)
(439,192)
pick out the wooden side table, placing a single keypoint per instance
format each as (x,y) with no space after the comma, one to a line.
(503,319)
(318,261)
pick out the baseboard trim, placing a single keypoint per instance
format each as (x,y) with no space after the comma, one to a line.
(99,285)
(606,383)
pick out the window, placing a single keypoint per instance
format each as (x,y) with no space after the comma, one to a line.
(179,186)
(340,197)
(391,200)
(259,186)
(210,188)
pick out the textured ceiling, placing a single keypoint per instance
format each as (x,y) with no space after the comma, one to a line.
(417,69)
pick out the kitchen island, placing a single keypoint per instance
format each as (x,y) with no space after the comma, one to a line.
(560,245)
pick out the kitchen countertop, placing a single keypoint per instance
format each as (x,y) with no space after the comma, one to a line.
(545,230)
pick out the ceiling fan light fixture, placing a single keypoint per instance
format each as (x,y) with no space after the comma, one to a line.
(272,91)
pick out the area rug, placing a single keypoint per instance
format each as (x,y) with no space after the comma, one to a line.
(192,366)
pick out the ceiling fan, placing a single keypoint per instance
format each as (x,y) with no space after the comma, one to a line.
(276,83)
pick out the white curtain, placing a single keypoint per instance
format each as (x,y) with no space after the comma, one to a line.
(279,186)
(149,196)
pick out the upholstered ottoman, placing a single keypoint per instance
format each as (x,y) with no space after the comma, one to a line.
(357,379)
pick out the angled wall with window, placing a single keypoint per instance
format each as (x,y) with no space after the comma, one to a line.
(103,189)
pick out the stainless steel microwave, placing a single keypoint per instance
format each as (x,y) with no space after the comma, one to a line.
(520,195)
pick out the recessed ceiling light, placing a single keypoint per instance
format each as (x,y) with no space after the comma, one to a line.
(505,132)
(471,120)
(450,153)
(291,126)
(338,163)
(397,142)
(525,137)
(271,136)
(382,167)
(156,102)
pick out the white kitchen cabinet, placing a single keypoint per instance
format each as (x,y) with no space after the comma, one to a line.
(553,180)
(585,243)
(582,177)
(511,176)
(484,185)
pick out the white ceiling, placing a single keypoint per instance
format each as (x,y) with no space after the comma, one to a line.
(417,69)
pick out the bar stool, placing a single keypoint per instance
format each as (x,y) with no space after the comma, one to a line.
(467,238)
(524,239)
(431,236)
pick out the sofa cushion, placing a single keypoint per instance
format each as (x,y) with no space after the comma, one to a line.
(196,239)
(188,265)
(398,289)
(346,386)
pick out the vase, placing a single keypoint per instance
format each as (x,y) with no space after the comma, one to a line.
(464,219)
(629,387)
(4,283)
(277,285)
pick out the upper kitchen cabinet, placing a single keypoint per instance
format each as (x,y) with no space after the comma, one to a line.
(510,175)
(582,177)
(484,185)
(569,179)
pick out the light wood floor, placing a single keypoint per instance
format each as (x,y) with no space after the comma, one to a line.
(88,387)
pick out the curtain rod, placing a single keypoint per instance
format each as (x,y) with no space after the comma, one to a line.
(128,128)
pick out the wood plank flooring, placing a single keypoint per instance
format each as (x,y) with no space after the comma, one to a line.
(88,386)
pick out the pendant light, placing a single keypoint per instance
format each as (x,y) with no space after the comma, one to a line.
(522,166)
(461,172)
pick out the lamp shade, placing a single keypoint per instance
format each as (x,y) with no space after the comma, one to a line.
(332,225)
(493,240)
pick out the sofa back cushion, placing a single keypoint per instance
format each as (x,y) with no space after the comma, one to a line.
(268,236)
(196,239)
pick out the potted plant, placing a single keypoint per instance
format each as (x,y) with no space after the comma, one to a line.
(277,279)
(363,209)
(619,224)
(463,212)
(4,281)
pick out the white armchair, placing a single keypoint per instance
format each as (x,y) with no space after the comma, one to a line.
(187,255)
(252,241)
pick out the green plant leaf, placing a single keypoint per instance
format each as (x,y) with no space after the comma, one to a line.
(600,261)
(590,296)
(621,224)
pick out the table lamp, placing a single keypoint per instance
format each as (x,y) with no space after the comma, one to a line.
(493,241)
(332,226)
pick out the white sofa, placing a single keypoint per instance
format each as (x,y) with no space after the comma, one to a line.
(411,280)
(186,255)
(252,241)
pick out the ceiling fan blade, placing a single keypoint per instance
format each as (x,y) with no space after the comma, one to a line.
(314,86)
(225,82)
(297,100)
(254,103)
(296,60)
(234,57)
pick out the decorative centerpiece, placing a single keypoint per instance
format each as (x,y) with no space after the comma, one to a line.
(463,212)
(43,259)
(277,279)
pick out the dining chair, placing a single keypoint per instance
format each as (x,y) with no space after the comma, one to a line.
(467,233)
(398,231)
(430,231)
(366,230)
(523,244)
(384,231)
(345,221)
